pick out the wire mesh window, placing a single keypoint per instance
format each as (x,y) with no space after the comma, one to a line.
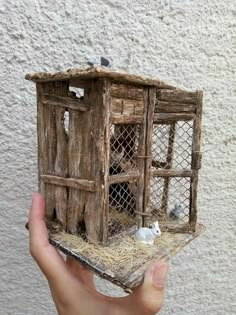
(172,145)
(124,141)
(122,204)
(170,199)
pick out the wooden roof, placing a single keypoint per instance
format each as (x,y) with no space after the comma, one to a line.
(96,72)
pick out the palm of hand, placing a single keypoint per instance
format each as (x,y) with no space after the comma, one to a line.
(72,286)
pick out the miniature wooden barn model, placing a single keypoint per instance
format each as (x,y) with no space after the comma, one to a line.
(115,152)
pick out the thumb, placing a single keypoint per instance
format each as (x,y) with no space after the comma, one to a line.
(151,292)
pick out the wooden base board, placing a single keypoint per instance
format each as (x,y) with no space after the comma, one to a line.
(108,261)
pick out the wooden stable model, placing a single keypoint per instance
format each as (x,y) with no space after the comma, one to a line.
(117,151)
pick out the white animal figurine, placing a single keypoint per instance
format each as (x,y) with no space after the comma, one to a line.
(146,235)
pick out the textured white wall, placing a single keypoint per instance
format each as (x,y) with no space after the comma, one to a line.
(189,43)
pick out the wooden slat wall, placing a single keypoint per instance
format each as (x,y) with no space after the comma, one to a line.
(73,167)
(52,148)
(88,159)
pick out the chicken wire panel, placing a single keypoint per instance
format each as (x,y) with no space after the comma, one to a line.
(172,145)
(122,205)
(124,140)
(170,199)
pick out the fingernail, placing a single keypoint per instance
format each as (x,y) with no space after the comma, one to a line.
(160,274)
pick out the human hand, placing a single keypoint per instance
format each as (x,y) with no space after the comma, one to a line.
(72,285)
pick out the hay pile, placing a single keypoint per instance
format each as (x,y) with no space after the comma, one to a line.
(123,253)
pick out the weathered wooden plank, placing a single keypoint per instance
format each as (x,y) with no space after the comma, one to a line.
(76,82)
(171,173)
(46,127)
(92,138)
(127,107)
(75,149)
(59,165)
(124,177)
(140,162)
(66,102)
(196,160)
(98,215)
(158,117)
(196,147)
(177,95)
(126,91)
(126,119)
(95,73)
(174,107)
(76,183)
(150,100)
(61,162)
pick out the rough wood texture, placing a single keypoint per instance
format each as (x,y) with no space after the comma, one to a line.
(66,102)
(61,163)
(92,150)
(126,119)
(174,107)
(52,148)
(97,213)
(171,173)
(149,101)
(140,160)
(196,162)
(75,149)
(126,177)
(69,182)
(124,91)
(97,72)
(126,107)
(177,95)
(167,117)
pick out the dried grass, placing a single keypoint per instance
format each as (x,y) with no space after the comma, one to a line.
(123,253)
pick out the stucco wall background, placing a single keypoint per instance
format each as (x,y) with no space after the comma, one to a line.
(188,43)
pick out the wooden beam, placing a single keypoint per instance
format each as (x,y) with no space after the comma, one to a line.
(76,183)
(124,177)
(177,95)
(127,107)
(174,107)
(150,100)
(126,119)
(64,101)
(171,173)
(127,92)
(196,161)
(159,117)
(77,83)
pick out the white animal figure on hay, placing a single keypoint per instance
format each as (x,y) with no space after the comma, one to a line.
(146,235)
